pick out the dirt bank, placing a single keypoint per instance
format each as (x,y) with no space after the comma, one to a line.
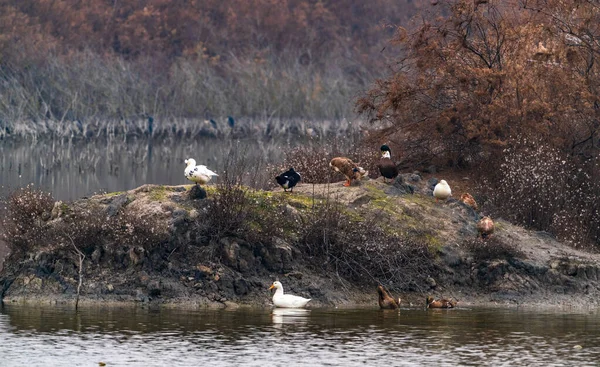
(151,245)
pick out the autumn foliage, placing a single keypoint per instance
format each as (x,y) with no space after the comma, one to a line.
(199,28)
(496,84)
(66,60)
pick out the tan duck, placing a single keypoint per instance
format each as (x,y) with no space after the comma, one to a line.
(348,168)
(387,302)
(469,200)
(440,303)
(386,165)
(442,191)
(485,227)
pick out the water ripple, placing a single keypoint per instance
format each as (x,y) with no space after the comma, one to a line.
(55,337)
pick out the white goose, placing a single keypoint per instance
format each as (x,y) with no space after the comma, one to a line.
(442,191)
(198,174)
(286,300)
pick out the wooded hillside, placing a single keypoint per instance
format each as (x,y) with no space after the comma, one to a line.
(82,59)
(201,28)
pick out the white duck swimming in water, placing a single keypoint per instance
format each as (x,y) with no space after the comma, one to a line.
(286,300)
(198,174)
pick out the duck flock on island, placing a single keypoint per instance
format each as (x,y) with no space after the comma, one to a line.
(353,172)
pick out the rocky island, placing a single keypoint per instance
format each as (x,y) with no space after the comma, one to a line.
(171,245)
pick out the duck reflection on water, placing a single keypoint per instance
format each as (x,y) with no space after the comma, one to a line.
(289,316)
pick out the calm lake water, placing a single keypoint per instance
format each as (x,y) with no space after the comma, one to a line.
(71,170)
(54,336)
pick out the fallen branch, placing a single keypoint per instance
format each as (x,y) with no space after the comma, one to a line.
(81,256)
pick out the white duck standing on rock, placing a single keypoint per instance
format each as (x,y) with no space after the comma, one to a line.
(442,191)
(198,174)
(286,300)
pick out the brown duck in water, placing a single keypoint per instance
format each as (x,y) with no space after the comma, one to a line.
(485,227)
(386,165)
(387,302)
(348,168)
(469,200)
(440,303)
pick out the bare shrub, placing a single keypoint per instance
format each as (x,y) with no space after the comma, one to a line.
(135,229)
(321,228)
(27,212)
(84,224)
(362,250)
(234,209)
(545,189)
(226,213)
(312,160)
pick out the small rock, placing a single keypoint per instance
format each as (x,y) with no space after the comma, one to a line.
(571,270)
(230,250)
(141,296)
(56,210)
(361,200)
(233,305)
(294,274)
(154,288)
(26,280)
(96,254)
(116,204)
(136,255)
(431,282)
(404,188)
(179,213)
(432,182)
(204,269)
(177,222)
(291,212)
(240,287)
(197,193)
(430,169)
(414,178)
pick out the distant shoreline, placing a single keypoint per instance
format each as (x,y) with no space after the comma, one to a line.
(179,127)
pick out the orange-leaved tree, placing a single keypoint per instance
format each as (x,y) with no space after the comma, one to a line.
(513,85)
(468,81)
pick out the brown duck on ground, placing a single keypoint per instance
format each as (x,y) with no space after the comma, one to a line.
(485,227)
(387,302)
(469,200)
(348,168)
(440,303)
(386,165)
